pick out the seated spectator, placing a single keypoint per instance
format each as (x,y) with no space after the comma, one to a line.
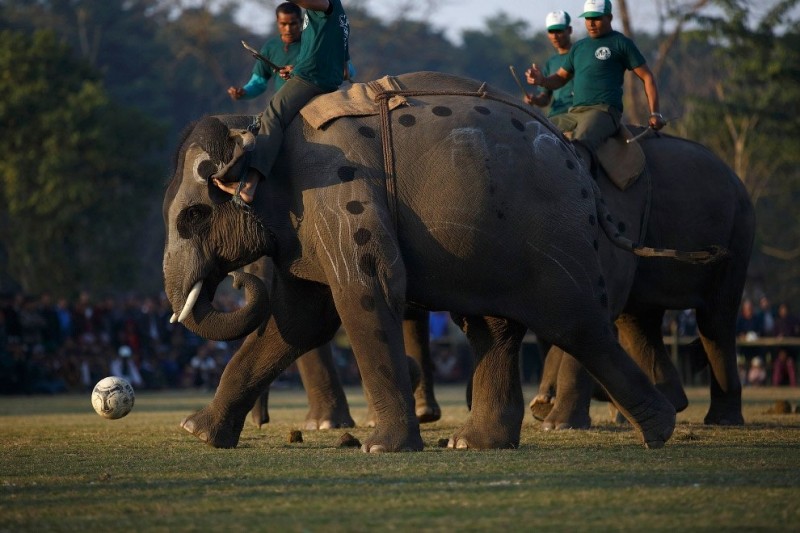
(124,366)
(749,327)
(783,370)
(757,375)
(766,316)
(748,324)
(786,323)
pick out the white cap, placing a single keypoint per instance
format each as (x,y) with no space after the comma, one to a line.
(557,20)
(596,8)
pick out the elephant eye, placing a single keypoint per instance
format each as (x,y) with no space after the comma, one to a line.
(194,220)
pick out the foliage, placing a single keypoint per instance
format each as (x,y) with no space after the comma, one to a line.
(751,84)
(64,167)
(729,75)
(143,473)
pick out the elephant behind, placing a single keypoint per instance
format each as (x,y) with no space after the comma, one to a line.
(697,200)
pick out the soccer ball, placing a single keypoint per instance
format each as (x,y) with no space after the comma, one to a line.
(113,397)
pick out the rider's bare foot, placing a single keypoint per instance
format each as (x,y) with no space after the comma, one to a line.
(248,191)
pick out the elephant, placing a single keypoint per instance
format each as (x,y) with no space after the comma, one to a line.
(675,168)
(696,199)
(462,200)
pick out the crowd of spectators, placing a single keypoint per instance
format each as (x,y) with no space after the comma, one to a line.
(51,346)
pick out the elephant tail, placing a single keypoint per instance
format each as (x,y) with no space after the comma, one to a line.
(710,254)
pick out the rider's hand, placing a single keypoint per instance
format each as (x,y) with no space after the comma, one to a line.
(235,92)
(657,121)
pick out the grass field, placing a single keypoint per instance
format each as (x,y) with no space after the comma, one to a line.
(63,468)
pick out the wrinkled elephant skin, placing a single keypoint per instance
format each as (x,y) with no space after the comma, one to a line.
(495,217)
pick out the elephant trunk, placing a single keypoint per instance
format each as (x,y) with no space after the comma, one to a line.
(204,320)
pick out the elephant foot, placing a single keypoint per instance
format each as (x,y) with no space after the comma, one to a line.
(203,426)
(724,413)
(567,415)
(382,441)
(471,437)
(329,417)
(540,406)
(312,423)
(655,420)
(427,413)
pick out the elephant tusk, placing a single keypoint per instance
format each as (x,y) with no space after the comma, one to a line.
(173,318)
(190,301)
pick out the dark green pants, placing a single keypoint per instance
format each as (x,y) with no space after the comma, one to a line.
(591,125)
(283,107)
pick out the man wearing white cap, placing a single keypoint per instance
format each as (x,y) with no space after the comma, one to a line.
(559,31)
(598,64)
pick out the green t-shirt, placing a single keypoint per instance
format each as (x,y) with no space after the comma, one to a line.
(280,54)
(598,67)
(324,51)
(562,98)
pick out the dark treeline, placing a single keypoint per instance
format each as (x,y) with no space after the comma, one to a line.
(95,95)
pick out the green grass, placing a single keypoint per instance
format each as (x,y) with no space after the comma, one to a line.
(63,468)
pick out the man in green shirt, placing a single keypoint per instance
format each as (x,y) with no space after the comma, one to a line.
(598,64)
(559,31)
(281,50)
(320,68)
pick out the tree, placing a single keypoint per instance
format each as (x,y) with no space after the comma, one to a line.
(75,170)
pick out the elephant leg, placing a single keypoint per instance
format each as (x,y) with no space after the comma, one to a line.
(259,414)
(542,403)
(575,386)
(375,330)
(717,334)
(594,344)
(261,359)
(640,335)
(416,334)
(498,407)
(327,403)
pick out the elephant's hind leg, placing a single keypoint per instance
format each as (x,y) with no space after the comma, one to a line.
(416,334)
(573,397)
(327,403)
(719,341)
(498,407)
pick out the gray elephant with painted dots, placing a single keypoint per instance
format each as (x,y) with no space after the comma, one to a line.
(460,199)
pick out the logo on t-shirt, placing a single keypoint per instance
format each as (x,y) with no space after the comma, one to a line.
(602,53)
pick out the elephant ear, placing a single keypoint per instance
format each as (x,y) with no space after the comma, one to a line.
(231,171)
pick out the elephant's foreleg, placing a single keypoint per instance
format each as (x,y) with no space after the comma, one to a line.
(718,337)
(375,331)
(260,360)
(498,407)
(327,403)
(595,346)
(416,334)
(575,387)
(641,336)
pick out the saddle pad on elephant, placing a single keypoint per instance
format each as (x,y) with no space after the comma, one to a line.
(622,161)
(352,100)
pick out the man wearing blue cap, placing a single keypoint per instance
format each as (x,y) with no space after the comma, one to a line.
(559,31)
(598,64)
